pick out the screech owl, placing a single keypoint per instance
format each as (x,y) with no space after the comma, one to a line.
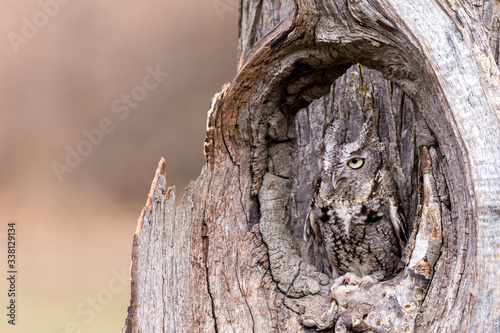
(355,215)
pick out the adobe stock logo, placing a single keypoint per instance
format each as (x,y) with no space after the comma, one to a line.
(222,6)
(121,106)
(90,309)
(48,9)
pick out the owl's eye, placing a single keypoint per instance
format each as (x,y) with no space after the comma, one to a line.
(356,162)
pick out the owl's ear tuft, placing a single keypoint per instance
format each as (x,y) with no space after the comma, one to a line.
(333,136)
(368,133)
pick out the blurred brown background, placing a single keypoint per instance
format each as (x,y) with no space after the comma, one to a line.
(63,64)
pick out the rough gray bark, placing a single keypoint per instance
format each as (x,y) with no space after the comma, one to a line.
(231,258)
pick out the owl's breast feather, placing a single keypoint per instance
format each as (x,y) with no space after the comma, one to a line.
(343,211)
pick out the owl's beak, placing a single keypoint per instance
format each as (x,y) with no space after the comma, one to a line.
(337,180)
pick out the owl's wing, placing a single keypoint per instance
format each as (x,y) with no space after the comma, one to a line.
(312,230)
(397,219)
(311,227)
(311,224)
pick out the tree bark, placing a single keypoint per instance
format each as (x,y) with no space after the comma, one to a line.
(230,257)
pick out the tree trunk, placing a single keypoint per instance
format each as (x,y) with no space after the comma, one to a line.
(230,257)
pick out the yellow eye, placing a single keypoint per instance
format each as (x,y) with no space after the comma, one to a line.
(356,162)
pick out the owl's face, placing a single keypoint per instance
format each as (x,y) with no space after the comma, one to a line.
(350,169)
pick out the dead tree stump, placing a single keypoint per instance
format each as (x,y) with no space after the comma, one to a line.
(230,257)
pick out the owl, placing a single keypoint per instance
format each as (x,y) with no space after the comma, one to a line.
(355,216)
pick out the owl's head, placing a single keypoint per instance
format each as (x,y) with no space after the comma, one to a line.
(350,168)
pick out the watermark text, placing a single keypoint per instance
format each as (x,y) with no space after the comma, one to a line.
(223,6)
(95,136)
(31,26)
(11,272)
